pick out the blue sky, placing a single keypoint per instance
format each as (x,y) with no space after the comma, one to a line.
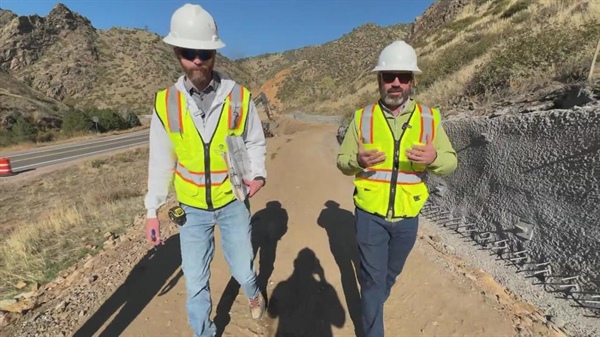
(248,27)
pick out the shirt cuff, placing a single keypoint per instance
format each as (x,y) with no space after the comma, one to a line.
(151,213)
(437,162)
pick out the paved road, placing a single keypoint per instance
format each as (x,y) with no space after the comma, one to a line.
(50,155)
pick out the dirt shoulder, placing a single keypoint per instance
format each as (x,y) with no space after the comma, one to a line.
(131,290)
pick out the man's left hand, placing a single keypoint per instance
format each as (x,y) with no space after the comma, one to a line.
(255,186)
(422,154)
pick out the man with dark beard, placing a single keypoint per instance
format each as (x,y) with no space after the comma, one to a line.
(388,148)
(189,127)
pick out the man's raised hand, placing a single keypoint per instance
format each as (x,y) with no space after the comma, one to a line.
(422,154)
(368,158)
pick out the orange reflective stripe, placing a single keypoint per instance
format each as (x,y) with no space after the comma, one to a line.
(199,178)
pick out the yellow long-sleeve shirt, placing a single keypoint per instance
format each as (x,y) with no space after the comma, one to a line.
(445,163)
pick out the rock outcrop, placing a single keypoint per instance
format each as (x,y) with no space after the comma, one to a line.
(31,46)
(439,13)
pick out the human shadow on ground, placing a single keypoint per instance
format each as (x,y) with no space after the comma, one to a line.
(268,227)
(305,305)
(339,225)
(145,280)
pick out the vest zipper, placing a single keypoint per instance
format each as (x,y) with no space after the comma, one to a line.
(207,170)
(394,179)
(396,164)
(207,175)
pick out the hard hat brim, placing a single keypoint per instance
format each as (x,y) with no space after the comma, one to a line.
(414,70)
(191,44)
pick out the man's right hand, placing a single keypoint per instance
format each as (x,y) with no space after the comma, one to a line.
(369,158)
(153,232)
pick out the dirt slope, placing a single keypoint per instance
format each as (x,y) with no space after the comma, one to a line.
(125,292)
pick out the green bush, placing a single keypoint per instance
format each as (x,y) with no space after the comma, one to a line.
(557,53)
(5,137)
(75,121)
(23,131)
(132,120)
(19,130)
(108,120)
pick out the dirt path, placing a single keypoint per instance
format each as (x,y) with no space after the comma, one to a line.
(435,296)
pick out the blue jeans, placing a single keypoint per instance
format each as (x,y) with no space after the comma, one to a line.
(384,247)
(197,251)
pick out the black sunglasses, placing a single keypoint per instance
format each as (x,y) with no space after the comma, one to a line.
(390,77)
(190,54)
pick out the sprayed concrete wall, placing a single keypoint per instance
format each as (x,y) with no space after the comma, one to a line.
(541,167)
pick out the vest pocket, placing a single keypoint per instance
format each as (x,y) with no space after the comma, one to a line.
(185,188)
(372,196)
(411,199)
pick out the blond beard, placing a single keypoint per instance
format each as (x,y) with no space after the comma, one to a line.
(198,79)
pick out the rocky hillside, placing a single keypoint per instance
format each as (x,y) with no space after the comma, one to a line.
(472,52)
(315,77)
(65,58)
(17,96)
(479,51)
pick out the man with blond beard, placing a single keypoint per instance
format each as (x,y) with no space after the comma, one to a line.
(188,132)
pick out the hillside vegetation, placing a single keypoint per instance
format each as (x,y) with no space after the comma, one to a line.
(492,50)
(311,78)
(472,52)
(59,63)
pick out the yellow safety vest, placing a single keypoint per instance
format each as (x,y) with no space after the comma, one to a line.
(394,188)
(201,175)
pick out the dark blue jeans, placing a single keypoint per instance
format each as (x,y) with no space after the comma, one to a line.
(384,247)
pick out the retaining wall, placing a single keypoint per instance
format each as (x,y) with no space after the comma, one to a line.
(541,167)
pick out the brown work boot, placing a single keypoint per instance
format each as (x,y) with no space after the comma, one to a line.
(257,307)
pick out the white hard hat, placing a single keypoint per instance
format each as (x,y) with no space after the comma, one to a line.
(398,56)
(194,28)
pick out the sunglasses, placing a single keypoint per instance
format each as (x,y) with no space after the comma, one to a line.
(191,54)
(391,77)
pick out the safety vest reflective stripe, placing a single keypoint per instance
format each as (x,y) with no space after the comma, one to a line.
(236,114)
(427,124)
(385,176)
(366,124)
(199,178)
(174,109)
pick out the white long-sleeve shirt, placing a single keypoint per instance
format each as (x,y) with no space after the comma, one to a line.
(162,158)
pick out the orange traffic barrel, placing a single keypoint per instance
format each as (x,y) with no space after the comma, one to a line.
(5,169)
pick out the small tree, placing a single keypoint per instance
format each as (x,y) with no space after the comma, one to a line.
(76,121)
(108,120)
(23,130)
(131,119)
(5,137)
